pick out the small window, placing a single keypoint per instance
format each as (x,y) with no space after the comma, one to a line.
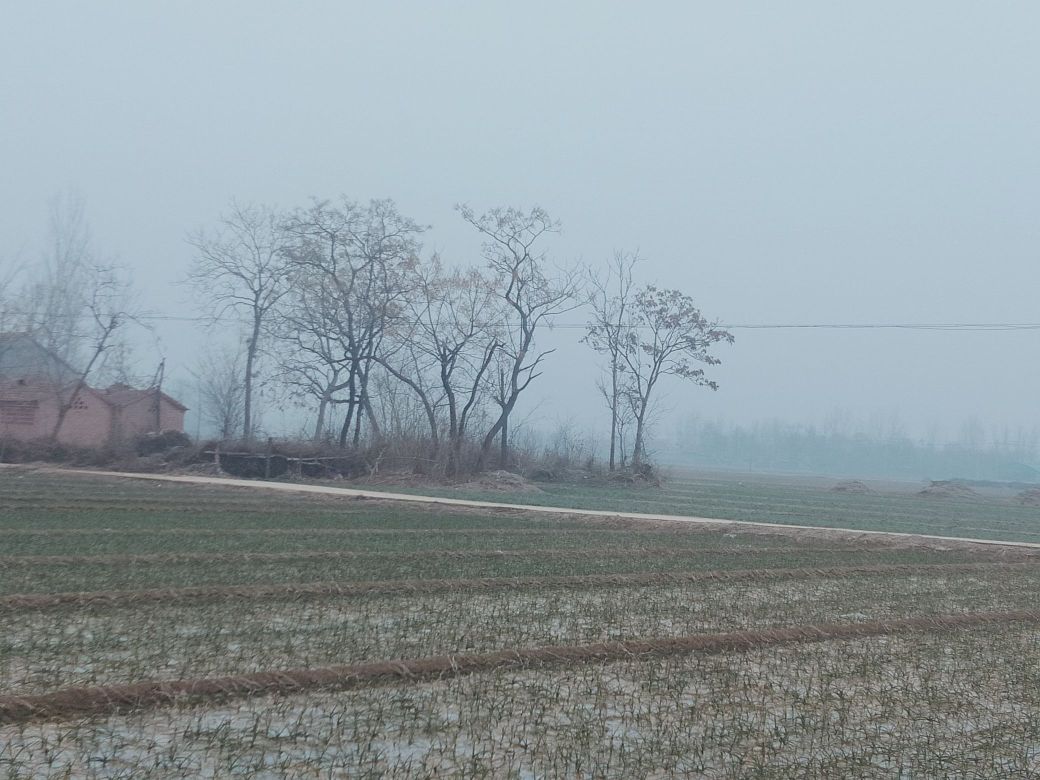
(79,404)
(18,412)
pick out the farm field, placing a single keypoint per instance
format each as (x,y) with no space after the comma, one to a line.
(899,507)
(172,630)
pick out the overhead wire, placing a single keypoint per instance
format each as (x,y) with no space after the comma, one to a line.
(943,326)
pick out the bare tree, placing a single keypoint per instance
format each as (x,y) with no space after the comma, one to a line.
(108,306)
(311,362)
(10,318)
(221,385)
(361,255)
(77,307)
(52,302)
(666,336)
(447,336)
(240,269)
(530,292)
(610,298)
(11,314)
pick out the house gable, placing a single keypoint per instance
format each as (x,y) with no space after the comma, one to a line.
(22,357)
(35,384)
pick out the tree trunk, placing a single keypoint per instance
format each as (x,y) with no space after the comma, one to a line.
(613,441)
(637,449)
(502,423)
(247,405)
(431,414)
(344,431)
(63,410)
(485,446)
(456,429)
(366,402)
(357,426)
(319,426)
(613,414)
(65,406)
(453,413)
(361,404)
(503,458)
(454,456)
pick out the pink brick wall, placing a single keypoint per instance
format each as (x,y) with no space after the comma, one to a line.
(139,417)
(93,422)
(88,426)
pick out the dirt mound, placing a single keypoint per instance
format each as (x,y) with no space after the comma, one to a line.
(1029,497)
(637,479)
(501,481)
(851,486)
(948,489)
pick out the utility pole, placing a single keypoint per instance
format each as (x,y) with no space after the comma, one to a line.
(157,383)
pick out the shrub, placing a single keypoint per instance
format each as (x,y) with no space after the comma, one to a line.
(154,443)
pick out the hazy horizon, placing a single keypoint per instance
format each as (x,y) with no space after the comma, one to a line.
(801,165)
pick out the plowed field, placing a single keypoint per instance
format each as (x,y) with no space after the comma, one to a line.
(171,630)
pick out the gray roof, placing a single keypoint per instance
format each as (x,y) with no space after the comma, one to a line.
(23,357)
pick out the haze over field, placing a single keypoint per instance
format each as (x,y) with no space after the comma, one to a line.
(807,164)
(684,355)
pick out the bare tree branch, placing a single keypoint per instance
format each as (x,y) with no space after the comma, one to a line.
(240,269)
(530,296)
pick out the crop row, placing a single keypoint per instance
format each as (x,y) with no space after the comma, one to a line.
(151,541)
(80,702)
(155,540)
(203,518)
(439,563)
(8,561)
(309,590)
(339,530)
(962,703)
(42,650)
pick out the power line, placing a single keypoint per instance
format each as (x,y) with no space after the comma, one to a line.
(961,326)
(946,326)
(957,326)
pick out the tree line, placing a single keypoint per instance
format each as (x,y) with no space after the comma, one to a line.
(337,308)
(837,447)
(344,311)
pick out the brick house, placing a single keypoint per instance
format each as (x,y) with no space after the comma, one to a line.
(35,384)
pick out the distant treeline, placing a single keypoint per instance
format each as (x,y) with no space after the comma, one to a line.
(786,447)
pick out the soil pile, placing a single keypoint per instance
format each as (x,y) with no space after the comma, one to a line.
(948,489)
(1029,497)
(502,481)
(851,486)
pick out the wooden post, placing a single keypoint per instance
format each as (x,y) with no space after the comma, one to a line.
(267,458)
(159,375)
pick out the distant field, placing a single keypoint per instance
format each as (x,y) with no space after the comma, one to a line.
(300,635)
(794,500)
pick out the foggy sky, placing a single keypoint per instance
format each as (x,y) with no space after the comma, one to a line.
(803,162)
